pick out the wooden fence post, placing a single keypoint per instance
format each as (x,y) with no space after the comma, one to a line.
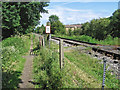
(40,42)
(61,54)
(43,41)
(49,40)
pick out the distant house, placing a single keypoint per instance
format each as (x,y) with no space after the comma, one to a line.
(72,27)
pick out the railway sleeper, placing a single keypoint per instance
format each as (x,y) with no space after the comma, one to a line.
(109,54)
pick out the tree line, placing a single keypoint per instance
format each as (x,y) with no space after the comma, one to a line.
(101,28)
(21,17)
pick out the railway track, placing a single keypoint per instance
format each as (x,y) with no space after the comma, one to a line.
(108,50)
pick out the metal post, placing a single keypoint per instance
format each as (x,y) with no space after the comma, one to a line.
(119,72)
(104,69)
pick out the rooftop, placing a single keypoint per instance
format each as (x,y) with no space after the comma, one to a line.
(73,26)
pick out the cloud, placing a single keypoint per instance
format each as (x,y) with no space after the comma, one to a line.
(71,16)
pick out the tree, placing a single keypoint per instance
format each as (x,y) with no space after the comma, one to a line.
(37,30)
(21,17)
(96,28)
(10,19)
(53,18)
(42,29)
(77,31)
(56,26)
(115,24)
(85,28)
(70,32)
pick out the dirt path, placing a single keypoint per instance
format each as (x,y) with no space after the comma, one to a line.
(27,71)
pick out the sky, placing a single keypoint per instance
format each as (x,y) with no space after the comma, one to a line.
(79,12)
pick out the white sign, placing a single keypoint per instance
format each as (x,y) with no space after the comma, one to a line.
(47,29)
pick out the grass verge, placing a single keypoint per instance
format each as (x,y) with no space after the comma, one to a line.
(92,68)
(80,70)
(13,49)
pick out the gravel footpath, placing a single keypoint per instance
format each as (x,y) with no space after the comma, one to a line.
(27,71)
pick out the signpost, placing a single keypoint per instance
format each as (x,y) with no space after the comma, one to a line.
(48,31)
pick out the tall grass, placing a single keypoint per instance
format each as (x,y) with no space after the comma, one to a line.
(46,70)
(45,67)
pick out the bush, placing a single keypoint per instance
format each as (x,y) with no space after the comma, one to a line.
(46,70)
